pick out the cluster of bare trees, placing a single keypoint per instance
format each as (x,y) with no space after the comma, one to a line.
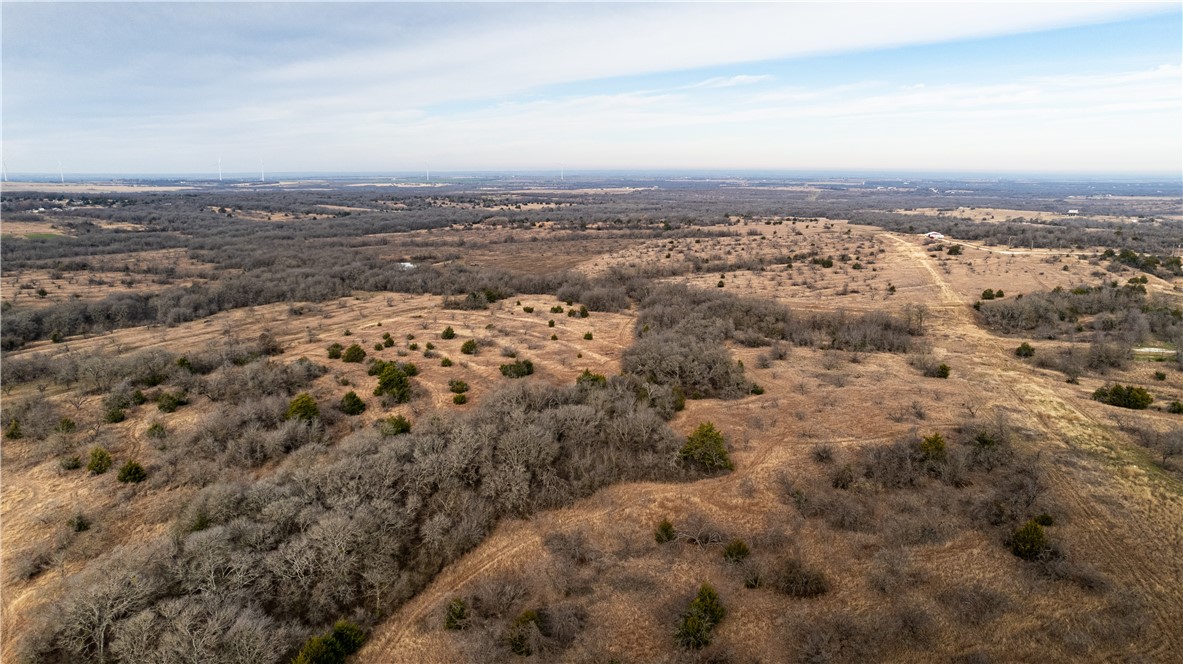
(1119,312)
(253,568)
(681,332)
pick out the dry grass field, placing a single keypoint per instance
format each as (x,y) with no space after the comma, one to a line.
(1108,497)
(31,229)
(913,574)
(989,215)
(139,272)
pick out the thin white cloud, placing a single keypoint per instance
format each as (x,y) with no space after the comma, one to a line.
(965,124)
(731,81)
(469,87)
(579,43)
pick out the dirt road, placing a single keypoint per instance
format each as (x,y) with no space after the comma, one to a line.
(1124,522)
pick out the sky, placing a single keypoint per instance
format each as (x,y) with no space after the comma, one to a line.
(172,88)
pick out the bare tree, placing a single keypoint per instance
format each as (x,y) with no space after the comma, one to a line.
(101,596)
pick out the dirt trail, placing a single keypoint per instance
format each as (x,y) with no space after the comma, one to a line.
(1100,537)
(395,640)
(1005,252)
(948,295)
(1143,552)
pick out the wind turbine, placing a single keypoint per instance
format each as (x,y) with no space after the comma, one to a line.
(4,167)
(219,169)
(428,167)
(262,173)
(61,173)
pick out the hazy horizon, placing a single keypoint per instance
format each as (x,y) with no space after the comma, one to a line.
(615,173)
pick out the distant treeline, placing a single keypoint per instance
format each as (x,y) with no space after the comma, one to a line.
(1067,233)
(255,263)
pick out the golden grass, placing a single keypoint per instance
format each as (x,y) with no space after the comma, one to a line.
(1119,515)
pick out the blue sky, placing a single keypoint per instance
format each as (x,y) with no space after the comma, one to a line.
(982,87)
